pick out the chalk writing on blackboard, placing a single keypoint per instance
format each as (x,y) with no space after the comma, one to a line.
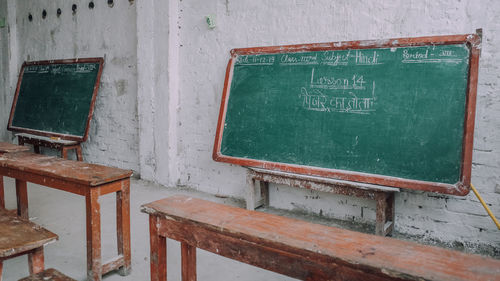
(367,58)
(333,58)
(338,94)
(255,60)
(298,59)
(424,55)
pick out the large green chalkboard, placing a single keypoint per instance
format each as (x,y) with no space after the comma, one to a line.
(56,98)
(395,111)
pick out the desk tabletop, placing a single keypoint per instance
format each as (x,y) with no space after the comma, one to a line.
(9,147)
(58,168)
(19,235)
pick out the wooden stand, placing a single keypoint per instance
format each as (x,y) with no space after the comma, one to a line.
(257,196)
(63,145)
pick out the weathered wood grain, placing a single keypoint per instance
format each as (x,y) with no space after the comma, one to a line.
(67,170)
(18,235)
(48,275)
(309,251)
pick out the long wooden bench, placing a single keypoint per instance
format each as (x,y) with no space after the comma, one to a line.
(21,237)
(298,249)
(89,180)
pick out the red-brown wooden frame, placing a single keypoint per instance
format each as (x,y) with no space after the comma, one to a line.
(473,41)
(92,103)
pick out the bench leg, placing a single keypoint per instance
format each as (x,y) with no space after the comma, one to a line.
(36,149)
(22,198)
(2,195)
(78,151)
(250,194)
(384,213)
(64,152)
(158,251)
(188,260)
(36,261)
(123,226)
(93,212)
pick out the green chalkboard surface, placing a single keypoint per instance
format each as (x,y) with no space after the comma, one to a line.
(56,98)
(396,112)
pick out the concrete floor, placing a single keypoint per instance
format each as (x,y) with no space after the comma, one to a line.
(64,213)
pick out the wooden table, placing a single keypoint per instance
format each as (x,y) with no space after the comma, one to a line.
(84,179)
(6,147)
(296,248)
(20,237)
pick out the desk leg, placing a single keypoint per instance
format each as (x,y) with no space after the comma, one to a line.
(2,196)
(22,198)
(36,261)
(94,262)
(158,251)
(188,261)
(123,226)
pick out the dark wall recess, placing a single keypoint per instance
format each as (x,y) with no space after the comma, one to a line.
(59,12)
(44,14)
(91,5)
(111,3)
(73,8)
(30,17)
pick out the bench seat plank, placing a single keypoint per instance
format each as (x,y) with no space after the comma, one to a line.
(380,256)
(19,235)
(66,170)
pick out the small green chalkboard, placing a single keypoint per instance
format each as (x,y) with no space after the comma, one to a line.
(56,98)
(391,114)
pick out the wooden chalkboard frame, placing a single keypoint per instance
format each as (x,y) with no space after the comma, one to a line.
(83,138)
(472,41)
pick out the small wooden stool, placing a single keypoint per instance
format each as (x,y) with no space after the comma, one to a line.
(21,237)
(48,275)
(59,144)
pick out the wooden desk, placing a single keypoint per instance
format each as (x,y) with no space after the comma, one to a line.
(6,147)
(298,249)
(20,237)
(84,179)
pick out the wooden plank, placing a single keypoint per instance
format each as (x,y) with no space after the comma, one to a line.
(12,243)
(6,147)
(48,275)
(374,255)
(62,169)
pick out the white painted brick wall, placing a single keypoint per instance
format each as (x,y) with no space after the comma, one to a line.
(99,32)
(204,54)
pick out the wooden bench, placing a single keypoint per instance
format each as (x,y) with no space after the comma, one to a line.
(297,248)
(8,148)
(20,237)
(48,275)
(55,143)
(84,179)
